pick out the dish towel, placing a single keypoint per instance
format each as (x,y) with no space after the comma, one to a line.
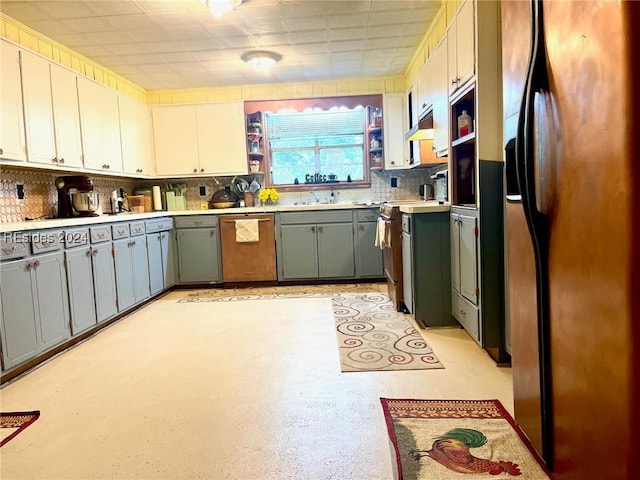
(247,231)
(383,234)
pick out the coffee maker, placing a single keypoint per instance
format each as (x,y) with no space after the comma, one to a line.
(76,197)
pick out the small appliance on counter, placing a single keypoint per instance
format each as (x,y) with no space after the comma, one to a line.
(440,185)
(117,201)
(225,198)
(76,197)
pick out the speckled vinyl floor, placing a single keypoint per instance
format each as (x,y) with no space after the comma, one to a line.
(225,390)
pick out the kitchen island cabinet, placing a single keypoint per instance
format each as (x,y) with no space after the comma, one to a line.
(35,316)
(198,250)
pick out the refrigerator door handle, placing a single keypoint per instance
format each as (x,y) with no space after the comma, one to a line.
(537,222)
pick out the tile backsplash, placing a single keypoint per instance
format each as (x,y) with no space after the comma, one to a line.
(41,196)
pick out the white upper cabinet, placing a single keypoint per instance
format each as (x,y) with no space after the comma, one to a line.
(175,140)
(207,139)
(425,87)
(222,142)
(100,127)
(12,138)
(38,109)
(438,61)
(394,119)
(136,137)
(66,119)
(461,47)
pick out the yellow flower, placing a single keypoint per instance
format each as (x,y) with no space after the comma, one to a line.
(268,194)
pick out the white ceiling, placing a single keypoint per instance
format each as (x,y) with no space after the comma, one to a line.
(160,44)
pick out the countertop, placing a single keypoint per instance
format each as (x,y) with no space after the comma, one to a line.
(407,206)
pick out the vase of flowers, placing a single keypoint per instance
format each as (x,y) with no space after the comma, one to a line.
(268,196)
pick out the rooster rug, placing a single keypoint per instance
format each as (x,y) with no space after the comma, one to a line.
(466,439)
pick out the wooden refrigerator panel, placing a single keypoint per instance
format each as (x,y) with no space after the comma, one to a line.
(248,261)
(589,193)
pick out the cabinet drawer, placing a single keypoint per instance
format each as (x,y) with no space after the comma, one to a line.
(288,218)
(198,221)
(120,230)
(368,215)
(136,228)
(14,245)
(466,313)
(158,225)
(76,237)
(46,241)
(100,234)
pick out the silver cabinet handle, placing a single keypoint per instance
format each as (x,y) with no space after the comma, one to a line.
(361,227)
(36,263)
(9,250)
(320,229)
(463,313)
(94,252)
(89,253)
(29,265)
(61,160)
(198,223)
(54,160)
(212,233)
(313,229)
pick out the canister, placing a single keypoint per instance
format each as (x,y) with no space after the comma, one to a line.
(148,198)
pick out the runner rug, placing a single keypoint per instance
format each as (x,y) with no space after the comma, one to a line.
(466,439)
(373,336)
(11,424)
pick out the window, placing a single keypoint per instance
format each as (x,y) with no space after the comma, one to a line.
(327,143)
(314,142)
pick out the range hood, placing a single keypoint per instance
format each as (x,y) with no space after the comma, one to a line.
(423,130)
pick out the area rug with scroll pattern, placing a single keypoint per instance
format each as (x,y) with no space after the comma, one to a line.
(12,423)
(466,439)
(371,334)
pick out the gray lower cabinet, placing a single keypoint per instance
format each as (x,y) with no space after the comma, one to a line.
(132,271)
(33,300)
(369,258)
(81,295)
(104,281)
(322,250)
(160,254)
(198,249)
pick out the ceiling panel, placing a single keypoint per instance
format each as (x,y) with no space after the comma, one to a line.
(178,43)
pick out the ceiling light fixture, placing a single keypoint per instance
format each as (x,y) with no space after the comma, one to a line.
(261,60)
(220,7)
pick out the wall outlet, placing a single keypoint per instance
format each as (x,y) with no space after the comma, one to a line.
(20,191)
(394,182)
(203,190)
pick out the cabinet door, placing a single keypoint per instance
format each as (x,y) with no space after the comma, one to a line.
(198,253)
(136,136)
(424,90)
(394,121)
(38,110)
(124,274)
(299,251)
(140,269)
(465,43)
(154,255)
(175,140)
(52,297)
(221,139)
(455,251)
(440,98)
(335,250)
(81,295)
(12,139)
(168,247)
(100,126)
(468,258)
(407,271)
(66,119)
(452,62)
(369,257)
(19,314)
(104,281)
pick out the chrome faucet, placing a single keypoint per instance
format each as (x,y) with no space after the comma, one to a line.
(313,194)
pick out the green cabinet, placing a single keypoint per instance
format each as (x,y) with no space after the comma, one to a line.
(428,258)
(369,257)
(81,297)
(198,250)
(33,301)
(132,271)
(315,245)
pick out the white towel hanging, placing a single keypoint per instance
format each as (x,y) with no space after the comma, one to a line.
(247,231)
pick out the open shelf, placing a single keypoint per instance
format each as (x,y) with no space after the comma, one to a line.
(463,174)
(469,138)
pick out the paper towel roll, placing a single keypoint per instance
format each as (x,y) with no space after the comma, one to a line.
(157,200)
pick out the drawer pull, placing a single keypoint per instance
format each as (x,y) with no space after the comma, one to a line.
(100,235)
(9,250)
(121,231)
(463,313)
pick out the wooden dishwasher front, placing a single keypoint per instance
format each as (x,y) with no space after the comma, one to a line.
(253,261)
